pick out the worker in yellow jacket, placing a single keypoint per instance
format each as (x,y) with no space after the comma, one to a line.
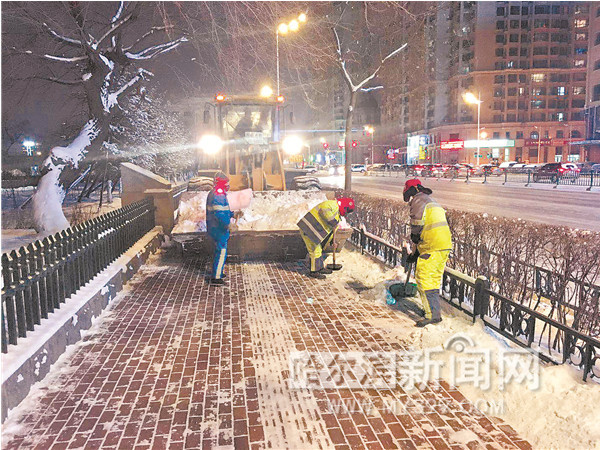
(431,234)
(317,227)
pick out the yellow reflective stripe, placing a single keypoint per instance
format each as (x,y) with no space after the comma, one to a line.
(221,263)
(315,233)
(417,222)
(431,226)
(217,208)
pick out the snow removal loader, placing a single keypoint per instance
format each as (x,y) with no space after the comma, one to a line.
(243,136)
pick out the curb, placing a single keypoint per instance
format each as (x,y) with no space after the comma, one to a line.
(32,358)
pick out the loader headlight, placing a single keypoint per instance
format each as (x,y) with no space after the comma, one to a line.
(211,144)
(292,145)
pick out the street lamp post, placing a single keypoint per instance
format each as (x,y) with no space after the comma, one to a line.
(370,130)
(471,99)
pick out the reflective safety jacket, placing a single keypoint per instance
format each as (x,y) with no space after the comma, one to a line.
(320,221)
(429,227)
(218,214)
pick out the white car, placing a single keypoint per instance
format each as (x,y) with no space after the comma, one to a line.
(358,168)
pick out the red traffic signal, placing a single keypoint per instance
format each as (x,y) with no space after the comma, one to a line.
(354,144)
(220,97)
(325,145)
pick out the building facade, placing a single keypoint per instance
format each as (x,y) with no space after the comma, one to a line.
(527,62)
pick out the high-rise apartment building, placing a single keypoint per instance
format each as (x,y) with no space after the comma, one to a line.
(526,61)
(591,146)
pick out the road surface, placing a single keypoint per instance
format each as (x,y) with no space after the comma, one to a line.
(568,206)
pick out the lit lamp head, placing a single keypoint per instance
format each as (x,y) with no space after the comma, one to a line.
(282,28)
(483,135)
(211,144)
(293,25)
(292,145)
(266,91)
(302,18)
(470,98)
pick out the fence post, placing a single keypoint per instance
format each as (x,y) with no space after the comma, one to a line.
(482,297)
(528,178)
(505,177)
(591,181)
(484,177)
(467,179)
(557,181)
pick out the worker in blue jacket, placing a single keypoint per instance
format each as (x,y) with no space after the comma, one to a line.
(218,218)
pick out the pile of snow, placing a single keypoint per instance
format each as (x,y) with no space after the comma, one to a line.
(560,412)
(270,210)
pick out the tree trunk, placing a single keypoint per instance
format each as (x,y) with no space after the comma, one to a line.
(348,141)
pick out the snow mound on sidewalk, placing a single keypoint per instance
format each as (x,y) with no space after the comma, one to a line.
(271,210)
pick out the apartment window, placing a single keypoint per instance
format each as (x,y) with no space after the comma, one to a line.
(524,65)
(581,36)
(597,65)
(540,64)
(580,50)
(499,79)
(500,11)
(498,106)
(579,90)
(525,39)
(515,10)
(500,52)
(538,104)
(511,64)
(498,92)
(540,51)
(512,78)
(575,134)
(522,78)
(519,135)
(598,12)
(512,91)
(525,11)
(541,9)
(511,105)
(500,66)
(500,39)
(556,9)
(559,134)
(559,77)
(500,25)
(597,41)
(577,103)
(507,134)
(524,24)
(559,37)
(498,118)
(524,52)
(522,91)
(496,135)
(579,63)
(534,135)
(538,91)
(579,77)
(558,116)
(561,90)
(582,9)
(514,24)
(454,136)
(581,23)
(541,23)
(513,38)
(577,116)
(596,93)
(513,51)
(540,37)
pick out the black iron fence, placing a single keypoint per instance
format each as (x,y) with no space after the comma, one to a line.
(552,341)
(39,277)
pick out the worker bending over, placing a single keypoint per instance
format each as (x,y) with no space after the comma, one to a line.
(218,218)
(317,227)
(431,234)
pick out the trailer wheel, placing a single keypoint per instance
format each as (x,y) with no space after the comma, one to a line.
(305,182)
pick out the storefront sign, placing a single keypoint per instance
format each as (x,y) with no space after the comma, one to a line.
(452,145)
(490,143)
(536,142)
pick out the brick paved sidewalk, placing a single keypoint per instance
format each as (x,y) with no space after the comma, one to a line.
(177,363)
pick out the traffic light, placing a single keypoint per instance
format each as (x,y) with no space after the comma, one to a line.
(325,145)
(354,144)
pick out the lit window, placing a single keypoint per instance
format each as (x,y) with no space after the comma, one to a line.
(581,23)
(579,63)
(561,90)
(538,77)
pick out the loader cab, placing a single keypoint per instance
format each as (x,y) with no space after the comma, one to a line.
(249,130)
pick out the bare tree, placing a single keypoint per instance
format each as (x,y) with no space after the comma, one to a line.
(99,53)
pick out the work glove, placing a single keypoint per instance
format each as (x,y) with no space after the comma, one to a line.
(412,258)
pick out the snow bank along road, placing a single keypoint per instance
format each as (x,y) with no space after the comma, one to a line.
(576,209)
(178,363)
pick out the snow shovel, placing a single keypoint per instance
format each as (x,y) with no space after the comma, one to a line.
(334,266)
(402,290)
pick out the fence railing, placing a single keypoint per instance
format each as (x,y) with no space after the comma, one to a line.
(39,277)
(526,178)
(552,341)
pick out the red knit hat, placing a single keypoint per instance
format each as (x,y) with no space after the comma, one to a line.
(346,205)
(410,183)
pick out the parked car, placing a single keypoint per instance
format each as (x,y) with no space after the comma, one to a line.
(595,168)
(435,170)
(517,168)
(398,166)
(358,168)
(377,167)
(311,169)
(337,170)
(484,169)
(552,171)
(460,171)
(415,169)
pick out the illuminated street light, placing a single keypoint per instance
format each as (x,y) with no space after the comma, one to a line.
(292,145)
(302,17)
(266,91)
(211,144)
(293,26)
(470,98)
(322,140)
(283,28)
(483,135)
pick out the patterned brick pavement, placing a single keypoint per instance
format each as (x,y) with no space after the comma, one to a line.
(177,363)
